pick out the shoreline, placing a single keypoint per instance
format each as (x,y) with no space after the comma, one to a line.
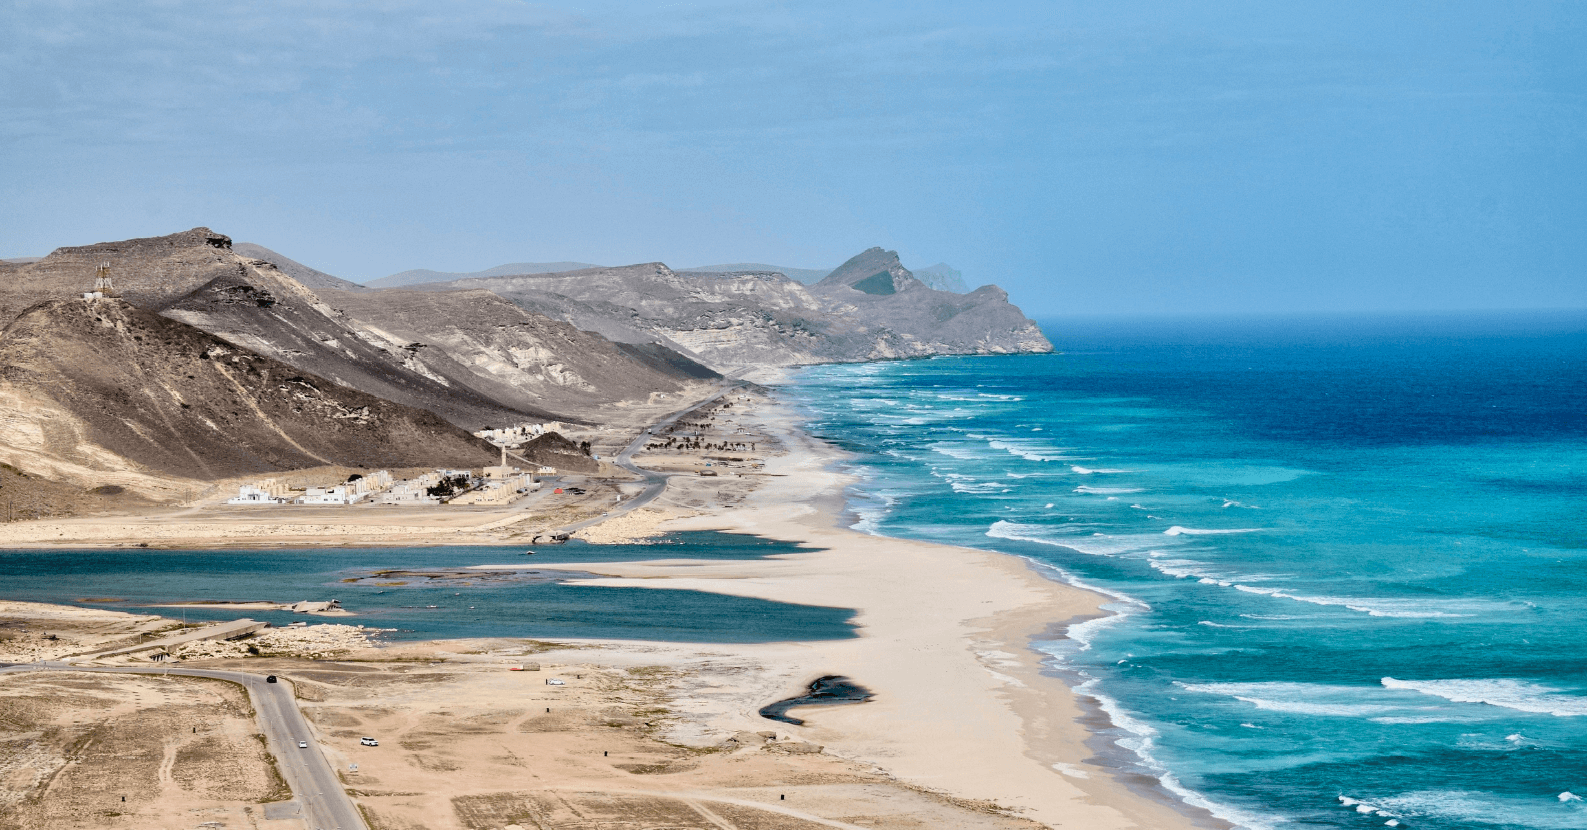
(984,720)
(946,641)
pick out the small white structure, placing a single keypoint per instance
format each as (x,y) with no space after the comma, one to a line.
(352,492)
(500,491)
(340,494)
(413,492)
(269,491)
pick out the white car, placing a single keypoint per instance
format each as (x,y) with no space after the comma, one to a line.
(303,744)
(369,742)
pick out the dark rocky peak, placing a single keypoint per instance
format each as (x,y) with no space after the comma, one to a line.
(146,247)
(874,271)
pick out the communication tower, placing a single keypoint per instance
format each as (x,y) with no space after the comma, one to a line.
(102,282)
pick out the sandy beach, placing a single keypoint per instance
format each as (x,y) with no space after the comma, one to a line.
(964,729)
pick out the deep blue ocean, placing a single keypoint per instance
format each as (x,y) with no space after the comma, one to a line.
(1347,556)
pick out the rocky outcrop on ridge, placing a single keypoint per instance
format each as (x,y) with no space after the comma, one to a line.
(89,387)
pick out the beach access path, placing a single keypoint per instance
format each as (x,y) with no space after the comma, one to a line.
(655,482)
(315,787)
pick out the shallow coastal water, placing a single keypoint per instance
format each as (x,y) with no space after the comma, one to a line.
(1347,555)
(428,598)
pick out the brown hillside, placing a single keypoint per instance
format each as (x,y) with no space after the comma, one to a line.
(102,379)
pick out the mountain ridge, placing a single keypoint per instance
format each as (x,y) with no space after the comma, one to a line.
(421,276)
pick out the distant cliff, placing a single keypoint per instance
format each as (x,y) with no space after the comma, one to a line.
(870,308)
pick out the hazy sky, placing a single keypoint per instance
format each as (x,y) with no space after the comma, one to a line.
(1098,157)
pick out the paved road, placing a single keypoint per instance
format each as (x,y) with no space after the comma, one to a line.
(654,482)
(314,784)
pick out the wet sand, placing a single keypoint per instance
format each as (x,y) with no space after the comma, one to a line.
(961,709)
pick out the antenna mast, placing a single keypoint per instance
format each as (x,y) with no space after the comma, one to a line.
(102,281)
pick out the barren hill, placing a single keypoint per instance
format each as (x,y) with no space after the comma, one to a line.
(311,278)
(515,356)
(102,386)
(420,276)
(870,308)
(457,357)
(262,310)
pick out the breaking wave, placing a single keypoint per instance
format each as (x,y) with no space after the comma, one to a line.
(1504,693)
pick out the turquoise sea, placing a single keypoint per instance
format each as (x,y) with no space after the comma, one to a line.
(1347,557)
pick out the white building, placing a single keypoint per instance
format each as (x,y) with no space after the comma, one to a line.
(502,490)
(264,492)
(412,492)
(340,494)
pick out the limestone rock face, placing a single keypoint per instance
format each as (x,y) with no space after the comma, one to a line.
(873,271)
(870,308)
(517,356)
(103,385)
(265,311)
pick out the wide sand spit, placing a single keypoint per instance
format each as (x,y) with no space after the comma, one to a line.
(961,707)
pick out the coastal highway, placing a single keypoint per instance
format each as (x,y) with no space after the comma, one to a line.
(326,806)
(654,482)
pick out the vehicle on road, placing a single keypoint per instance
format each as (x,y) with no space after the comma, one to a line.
(270,678)
(303,744)
(369,742)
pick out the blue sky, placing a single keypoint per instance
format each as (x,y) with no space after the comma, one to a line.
(1091,158)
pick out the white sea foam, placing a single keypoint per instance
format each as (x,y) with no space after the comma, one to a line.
(871,509)
(1141,740)
(1176,530)
(1302,698)
(958,451)
(1375,607)
(1106,490)
(1096,544)
(1027,449)
(1519,695)
(1465,808)
(978,486)
(1087,471)
(1184,569)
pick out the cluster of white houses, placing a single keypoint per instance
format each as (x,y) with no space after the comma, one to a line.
(498,485)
